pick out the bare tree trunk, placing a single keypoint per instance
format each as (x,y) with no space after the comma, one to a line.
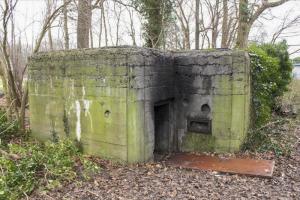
(197,31)
(12,37)
(66,30)
(91,35)
(225,27)
(184,23)
(50,40)
(132,29)
(101,29)
(104,23)
(118,13)
(215,23)
(91,26)
(12,87)
(49,9)
(243,28)
(247,19)
(83,23)
(187,38)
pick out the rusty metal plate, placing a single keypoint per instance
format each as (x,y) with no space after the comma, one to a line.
(250,167)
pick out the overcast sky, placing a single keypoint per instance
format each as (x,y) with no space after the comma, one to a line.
(29,15)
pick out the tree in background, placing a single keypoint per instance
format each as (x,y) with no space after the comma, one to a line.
(248,14)
(83,23)
(17,94)
(156,14)
(66,29)
(197,24)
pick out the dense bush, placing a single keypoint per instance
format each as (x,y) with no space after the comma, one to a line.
(271,74)
(48,165)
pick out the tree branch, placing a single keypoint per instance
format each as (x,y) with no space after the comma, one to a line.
(47,24)
(265,6)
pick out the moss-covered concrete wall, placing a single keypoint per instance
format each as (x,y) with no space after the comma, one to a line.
(221,81)
(105,98)
(99,97)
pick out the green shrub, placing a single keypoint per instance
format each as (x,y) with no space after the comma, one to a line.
(47,164)
(280,52)
(271,74)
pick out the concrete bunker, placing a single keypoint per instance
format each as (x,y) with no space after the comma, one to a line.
(126,103)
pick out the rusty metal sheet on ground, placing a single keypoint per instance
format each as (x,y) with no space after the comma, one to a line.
(250,167)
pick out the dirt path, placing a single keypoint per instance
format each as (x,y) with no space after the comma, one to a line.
(156,181)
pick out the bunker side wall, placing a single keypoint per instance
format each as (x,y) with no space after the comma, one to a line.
(82,94)
(213,98)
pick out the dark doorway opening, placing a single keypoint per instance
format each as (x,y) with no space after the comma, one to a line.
(162,128)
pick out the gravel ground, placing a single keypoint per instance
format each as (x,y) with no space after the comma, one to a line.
(157,181)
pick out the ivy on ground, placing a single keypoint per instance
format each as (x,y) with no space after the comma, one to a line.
(49,165)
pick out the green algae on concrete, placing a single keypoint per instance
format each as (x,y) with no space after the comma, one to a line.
(230,108)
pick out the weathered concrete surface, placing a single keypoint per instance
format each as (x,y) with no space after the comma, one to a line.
(221,80)
(105,99)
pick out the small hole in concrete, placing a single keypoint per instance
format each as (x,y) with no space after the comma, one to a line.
(107,113)
(205,108)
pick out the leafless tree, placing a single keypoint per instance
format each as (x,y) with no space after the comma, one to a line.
(66,29)
(248,14)
(132,30)
(103,25)
(184,20)
(285,25)
(197,24)
(50,6)
(225,31)
(16,95)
